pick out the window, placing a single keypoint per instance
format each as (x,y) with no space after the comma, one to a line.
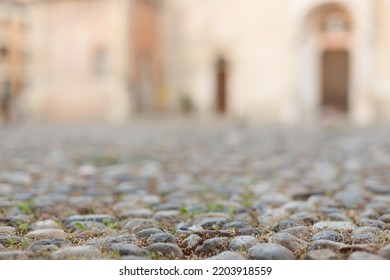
(100,66)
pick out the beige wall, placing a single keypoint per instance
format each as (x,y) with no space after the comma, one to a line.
(274,67)
(66,39)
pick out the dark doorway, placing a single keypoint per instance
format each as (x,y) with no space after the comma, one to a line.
(221,86)
(335,77)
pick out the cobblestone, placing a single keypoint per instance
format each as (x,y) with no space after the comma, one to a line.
(186,191)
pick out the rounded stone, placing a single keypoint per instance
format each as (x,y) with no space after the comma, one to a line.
(57,242)
(166,250)
(289,241)
(343,226)
(89,218)
(385,252)
(326,244)
(240,243)
(385,218)
(192,241)
(328,235)
(321,254)
(105,243)
(228,255)
(79,252)
(212,223)
(269,251)
(285,224)
(146,233)
(7,231)
(137,213)
(45,224)
(251,231)
(366,235)
(46,234)
(17,178)
(372,223)
(136,225)
(166,215)
(9,240)
(235,225)
(128,249)
(14,255)
(162,237)
(300,231)
(212,246)
(87,225)
(361,255)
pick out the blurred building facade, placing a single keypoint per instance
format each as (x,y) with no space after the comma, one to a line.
(278,61)
(13,55)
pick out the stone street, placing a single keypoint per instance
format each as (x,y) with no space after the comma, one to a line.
(194,190)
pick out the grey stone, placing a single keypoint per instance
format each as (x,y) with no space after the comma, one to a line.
(251,231)
(128,249)
(328,235)
(289,223)
(240,243)
(372,223)
(46,234)
(212,223)
(79,252)
(304,216)
(384,252)
(87,225)
(326,244)
(369,214)
(2,248)
(228,255)
(14,255)
(360,255)
(136,225)
(321,254)
(7,231)
(137,213)
(275,199)
(212,246)
(235,225)
(350,199)
(192,241)
(385,218)
(162,237)
(301,232)
(341,217)
(366,235)
(49,243)
(45,224)
(269,251)
(89,218)
(166,250)
(343,226)
(5,189)
(105,243)
(289,241)
(17,178)
(146,233)
(166,215)
(9,240)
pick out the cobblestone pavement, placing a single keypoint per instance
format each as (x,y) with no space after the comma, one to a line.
(194,191)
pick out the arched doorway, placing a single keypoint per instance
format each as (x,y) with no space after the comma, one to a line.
(334,33)
(221,85)
(325,58)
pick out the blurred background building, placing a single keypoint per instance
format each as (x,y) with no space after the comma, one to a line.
(275,61)
(13,56)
